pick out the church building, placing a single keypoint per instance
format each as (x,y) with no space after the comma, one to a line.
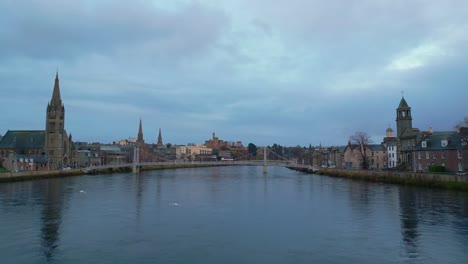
(52,144)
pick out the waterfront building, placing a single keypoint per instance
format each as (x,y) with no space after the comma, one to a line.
(390,143)
(391,155)
(198,151)
(419,150)
(87,158)
(112,155)
(58,146)
(407,136)
(448,149)
(332,157)
(145,154)
(26,162)
(376,156)
(29,142)
(53,143)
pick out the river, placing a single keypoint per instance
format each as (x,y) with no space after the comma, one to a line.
(229,215)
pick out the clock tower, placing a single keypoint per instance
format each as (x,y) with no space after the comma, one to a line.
(404,121)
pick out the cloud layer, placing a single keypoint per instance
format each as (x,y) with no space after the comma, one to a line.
(292,72)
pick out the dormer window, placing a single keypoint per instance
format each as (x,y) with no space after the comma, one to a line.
(424,144)
(444,142)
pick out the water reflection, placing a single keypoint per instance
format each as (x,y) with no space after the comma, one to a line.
(139,183)
(53,202)
(230,215)
(409,221)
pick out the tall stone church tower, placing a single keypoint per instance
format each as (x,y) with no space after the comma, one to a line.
(57,144)
(404,121)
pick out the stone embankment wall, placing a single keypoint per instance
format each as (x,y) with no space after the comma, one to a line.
(445,181)
(35,175)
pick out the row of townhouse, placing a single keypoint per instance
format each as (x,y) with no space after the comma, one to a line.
(410,149)
(348,157)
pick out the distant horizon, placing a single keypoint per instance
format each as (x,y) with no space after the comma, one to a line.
(290,73)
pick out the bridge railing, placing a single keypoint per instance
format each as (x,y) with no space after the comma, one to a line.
(212,163)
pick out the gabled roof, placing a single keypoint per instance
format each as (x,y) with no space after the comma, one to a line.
(23,139)
(350,146)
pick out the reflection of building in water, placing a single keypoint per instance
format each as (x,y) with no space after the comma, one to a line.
(51,216)
(139,187)
(409,220)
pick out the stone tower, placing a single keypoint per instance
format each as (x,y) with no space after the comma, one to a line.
(56,141)
(404,121)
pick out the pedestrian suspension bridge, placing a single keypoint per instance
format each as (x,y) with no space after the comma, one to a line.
(241,161)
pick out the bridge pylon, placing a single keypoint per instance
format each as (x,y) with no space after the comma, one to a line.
(265,170)
(136,160)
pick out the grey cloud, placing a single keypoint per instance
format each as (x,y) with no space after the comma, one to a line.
(58,29)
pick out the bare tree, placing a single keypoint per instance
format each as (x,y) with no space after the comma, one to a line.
(362,139)
(461,124)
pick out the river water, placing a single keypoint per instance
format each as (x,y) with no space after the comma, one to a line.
(229,215)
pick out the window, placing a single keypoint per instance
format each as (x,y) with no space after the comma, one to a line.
(444,142)
(419,155)
(433,155)
(442,155)
(424,144)
(460,167)
(459,154)
(427,154)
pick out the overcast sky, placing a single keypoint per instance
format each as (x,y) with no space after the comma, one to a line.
(293,72)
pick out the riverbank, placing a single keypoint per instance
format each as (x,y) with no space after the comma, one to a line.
(442,181)
(37,175)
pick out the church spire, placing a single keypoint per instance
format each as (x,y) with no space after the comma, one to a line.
(56,100)
(160,143)
(140,132)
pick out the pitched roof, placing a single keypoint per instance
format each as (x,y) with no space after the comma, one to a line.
(35,158)
(434,141)
(376,147)
(23,139)
(410,133)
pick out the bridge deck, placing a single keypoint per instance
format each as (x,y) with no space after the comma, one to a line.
(207,163)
